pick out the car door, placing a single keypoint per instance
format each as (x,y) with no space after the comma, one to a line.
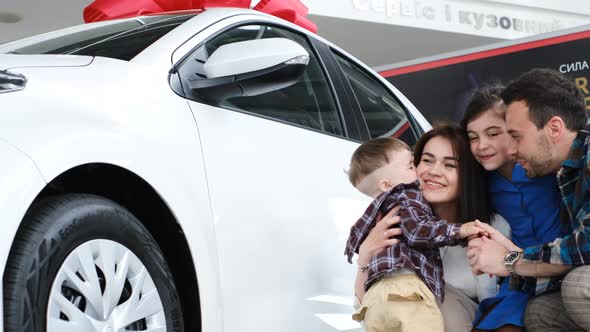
(381,112)
(282,202)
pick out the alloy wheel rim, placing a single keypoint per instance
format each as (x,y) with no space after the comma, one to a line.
(102,286)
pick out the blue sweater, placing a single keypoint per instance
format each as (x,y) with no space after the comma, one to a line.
(531,206)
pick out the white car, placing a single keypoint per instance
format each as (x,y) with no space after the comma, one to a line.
(184,172)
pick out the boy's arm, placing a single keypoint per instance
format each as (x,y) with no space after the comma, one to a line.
(421,228)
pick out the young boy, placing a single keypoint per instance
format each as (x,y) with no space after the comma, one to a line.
(404,278)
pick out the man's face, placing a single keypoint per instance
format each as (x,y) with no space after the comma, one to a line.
(532,147)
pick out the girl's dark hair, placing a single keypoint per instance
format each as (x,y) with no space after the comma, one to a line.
(482,100)
(473,200)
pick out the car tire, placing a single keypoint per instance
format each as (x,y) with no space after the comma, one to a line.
(72,230)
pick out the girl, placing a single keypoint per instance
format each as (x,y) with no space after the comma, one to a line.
(531,206)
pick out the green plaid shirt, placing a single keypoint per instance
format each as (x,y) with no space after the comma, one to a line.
(574,247)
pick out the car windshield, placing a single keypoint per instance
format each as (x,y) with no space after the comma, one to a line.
(122,39)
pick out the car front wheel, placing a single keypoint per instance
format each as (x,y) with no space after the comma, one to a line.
(84,263)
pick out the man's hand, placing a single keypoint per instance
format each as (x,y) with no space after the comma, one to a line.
(380,237)
(487,256)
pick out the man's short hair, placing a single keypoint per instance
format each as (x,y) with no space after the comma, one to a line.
(548,93)
(372,155)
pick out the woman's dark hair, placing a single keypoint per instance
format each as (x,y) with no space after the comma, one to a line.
(473,197)
(482,100)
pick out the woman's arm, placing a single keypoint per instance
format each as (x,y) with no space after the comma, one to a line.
(379,238)
(486,286)
(359,284)
(501,225)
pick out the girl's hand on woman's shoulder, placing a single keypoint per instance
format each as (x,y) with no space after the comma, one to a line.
(380,237)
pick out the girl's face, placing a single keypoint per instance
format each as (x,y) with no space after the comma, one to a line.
(438,171)
(489,141)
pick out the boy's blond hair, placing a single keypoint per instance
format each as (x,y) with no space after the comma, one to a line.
(372,155)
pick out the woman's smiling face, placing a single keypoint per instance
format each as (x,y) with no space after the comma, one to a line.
(438,171)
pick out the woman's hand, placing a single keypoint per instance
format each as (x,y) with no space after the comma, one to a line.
(494,234)
(486,254)
(380,237)
(471,230)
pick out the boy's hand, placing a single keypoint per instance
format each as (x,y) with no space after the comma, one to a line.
(472,230)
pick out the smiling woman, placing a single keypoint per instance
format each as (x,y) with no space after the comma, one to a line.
(454,184)
(449,175)
(437,171)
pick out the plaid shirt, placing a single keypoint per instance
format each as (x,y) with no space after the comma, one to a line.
(422,232)
(574,248)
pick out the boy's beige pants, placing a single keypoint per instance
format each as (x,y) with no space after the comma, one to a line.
(400,303)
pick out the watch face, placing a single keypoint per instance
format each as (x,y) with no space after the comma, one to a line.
(511,256)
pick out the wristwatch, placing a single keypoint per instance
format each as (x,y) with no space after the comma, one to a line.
(509,261)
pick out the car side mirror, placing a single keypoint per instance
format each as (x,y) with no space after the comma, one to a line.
(250,68)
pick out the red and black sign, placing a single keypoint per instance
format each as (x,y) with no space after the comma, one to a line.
(440,89)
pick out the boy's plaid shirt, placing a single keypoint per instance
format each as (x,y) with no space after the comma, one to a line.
(574,248)
(423,234)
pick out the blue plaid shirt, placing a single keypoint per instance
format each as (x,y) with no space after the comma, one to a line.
(574,183)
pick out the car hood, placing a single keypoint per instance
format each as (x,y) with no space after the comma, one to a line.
(10,61)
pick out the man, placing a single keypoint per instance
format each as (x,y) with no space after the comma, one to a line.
(546,116)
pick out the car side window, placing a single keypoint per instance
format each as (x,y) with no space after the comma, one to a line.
(384,115)
(308,103)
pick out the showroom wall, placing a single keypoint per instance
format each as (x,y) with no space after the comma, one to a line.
(379,32)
